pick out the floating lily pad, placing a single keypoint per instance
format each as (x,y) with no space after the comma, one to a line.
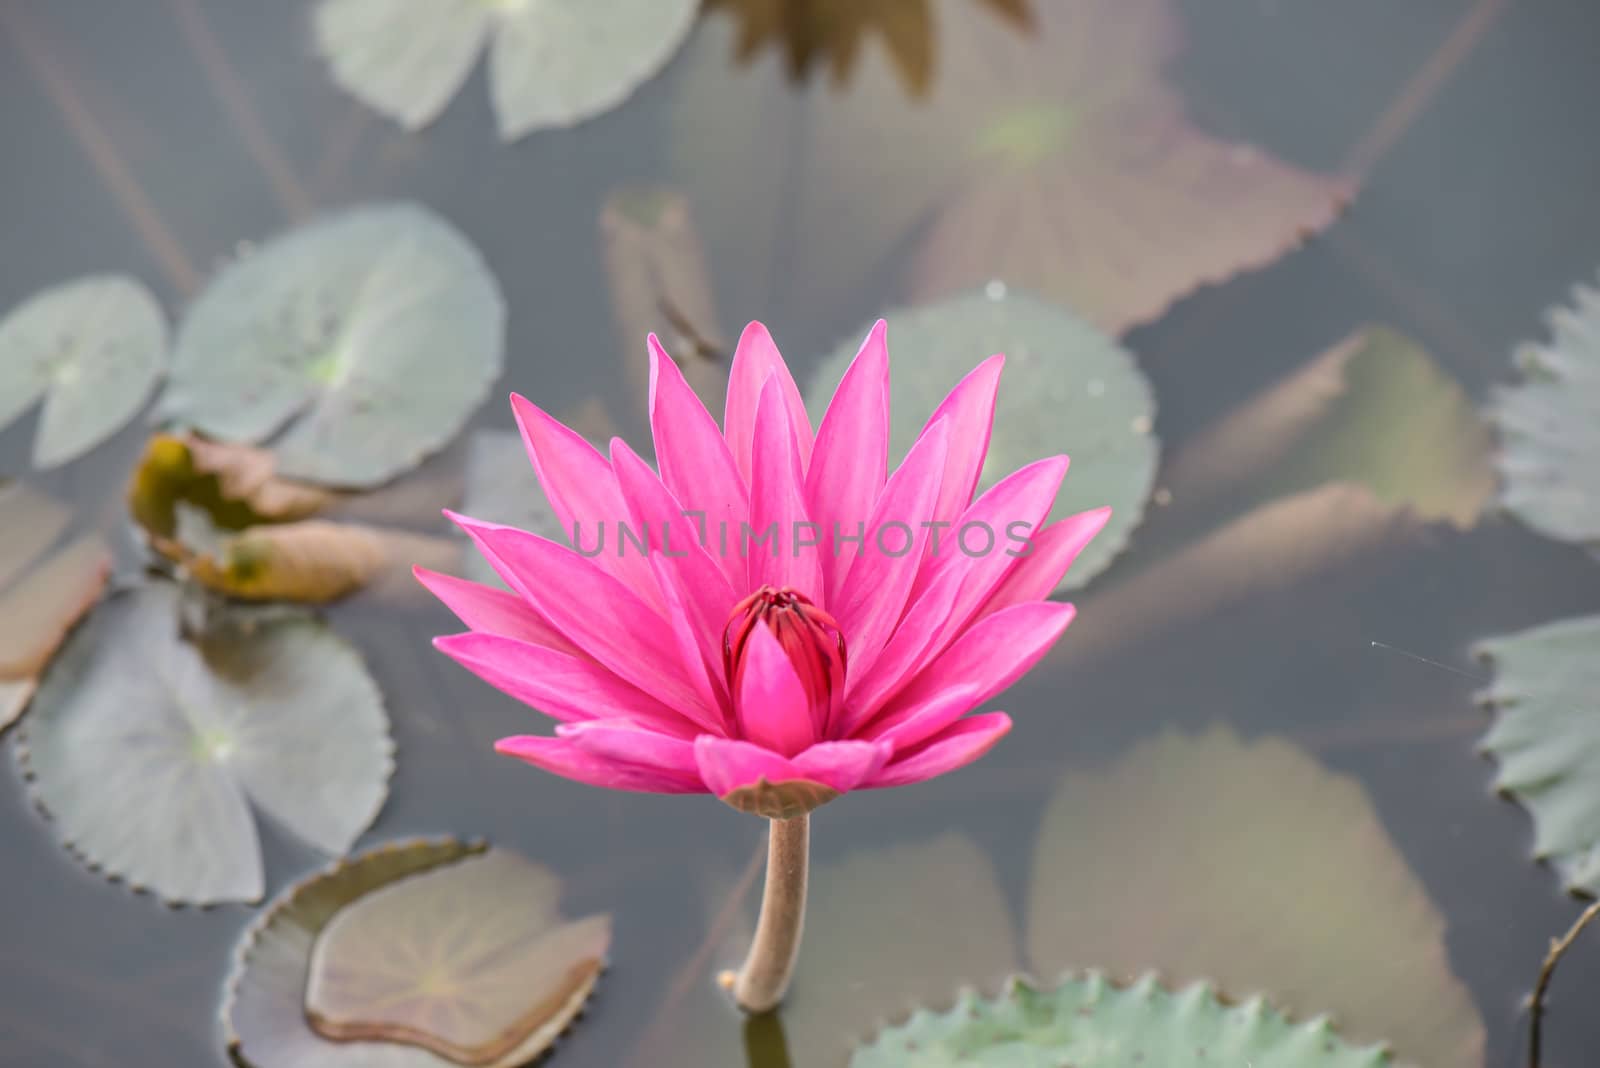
(471,961)
(1067,388)
(1550,427)
(425,902)
(147,750)
(1088,1022)
(1546,740)
(1374,410)
(93,349)
(552,62)
(1250,865)
(360,344)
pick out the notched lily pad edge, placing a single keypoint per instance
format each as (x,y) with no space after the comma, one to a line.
(968,996)
(451,849)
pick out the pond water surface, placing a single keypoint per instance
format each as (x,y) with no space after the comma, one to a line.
(1477,212)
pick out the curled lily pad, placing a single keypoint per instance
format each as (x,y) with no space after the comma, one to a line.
(93,349)
(359,344)
(236,486)
(1335,922)
(424,902)
(1067,388)
(1546,739)
(147,750)
(1088,1022)
(551,63)
(1549,427)
(470,961)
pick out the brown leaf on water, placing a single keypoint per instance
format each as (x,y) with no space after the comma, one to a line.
(1252,865)
(236,486)
(30,522)
(1277,545)
(1374,409)
(660,284)
(39,609)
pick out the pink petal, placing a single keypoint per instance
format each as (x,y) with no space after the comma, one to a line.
(561,756)
(970,410)
(843,765)
(772,705)
(564,687)
(726,764)
(597,613)
(683,568)
(754,361)
(875,592)
(917,723)
(983,554)
(492,610)
(850,461)
(1035,575)
(583,493)
(777,506)
(908,650)
(991,656)
(694,458)
(959,745)
(630,742)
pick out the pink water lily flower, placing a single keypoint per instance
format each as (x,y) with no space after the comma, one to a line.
(681,652)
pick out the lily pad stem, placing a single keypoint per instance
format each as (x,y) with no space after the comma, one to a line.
(1558,949)
(760,984)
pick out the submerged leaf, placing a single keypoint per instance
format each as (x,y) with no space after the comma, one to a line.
(1550,427)
(145,748)
(367,338)
(1547,739)
(470,961)
(1374,410)
(1088,1022)
(660,284)
(93,349)
(551,63)
(1067,388)
(1341,923)
(41,599)
(423,902)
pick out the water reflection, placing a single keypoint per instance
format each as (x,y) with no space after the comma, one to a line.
(764,1042)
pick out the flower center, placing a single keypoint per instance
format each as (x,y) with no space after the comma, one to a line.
(808,635)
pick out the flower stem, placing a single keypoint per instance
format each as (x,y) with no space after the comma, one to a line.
(760,984)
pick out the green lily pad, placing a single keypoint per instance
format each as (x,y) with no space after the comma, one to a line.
(93,349)
(551,62)
(471,961)
(1547,739)
(147,750)
(1550,427)
(1255,868)
(1088,1022)
(1067,388)
(397,918)
(361,342)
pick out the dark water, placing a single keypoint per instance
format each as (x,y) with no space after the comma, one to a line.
(1480,215)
